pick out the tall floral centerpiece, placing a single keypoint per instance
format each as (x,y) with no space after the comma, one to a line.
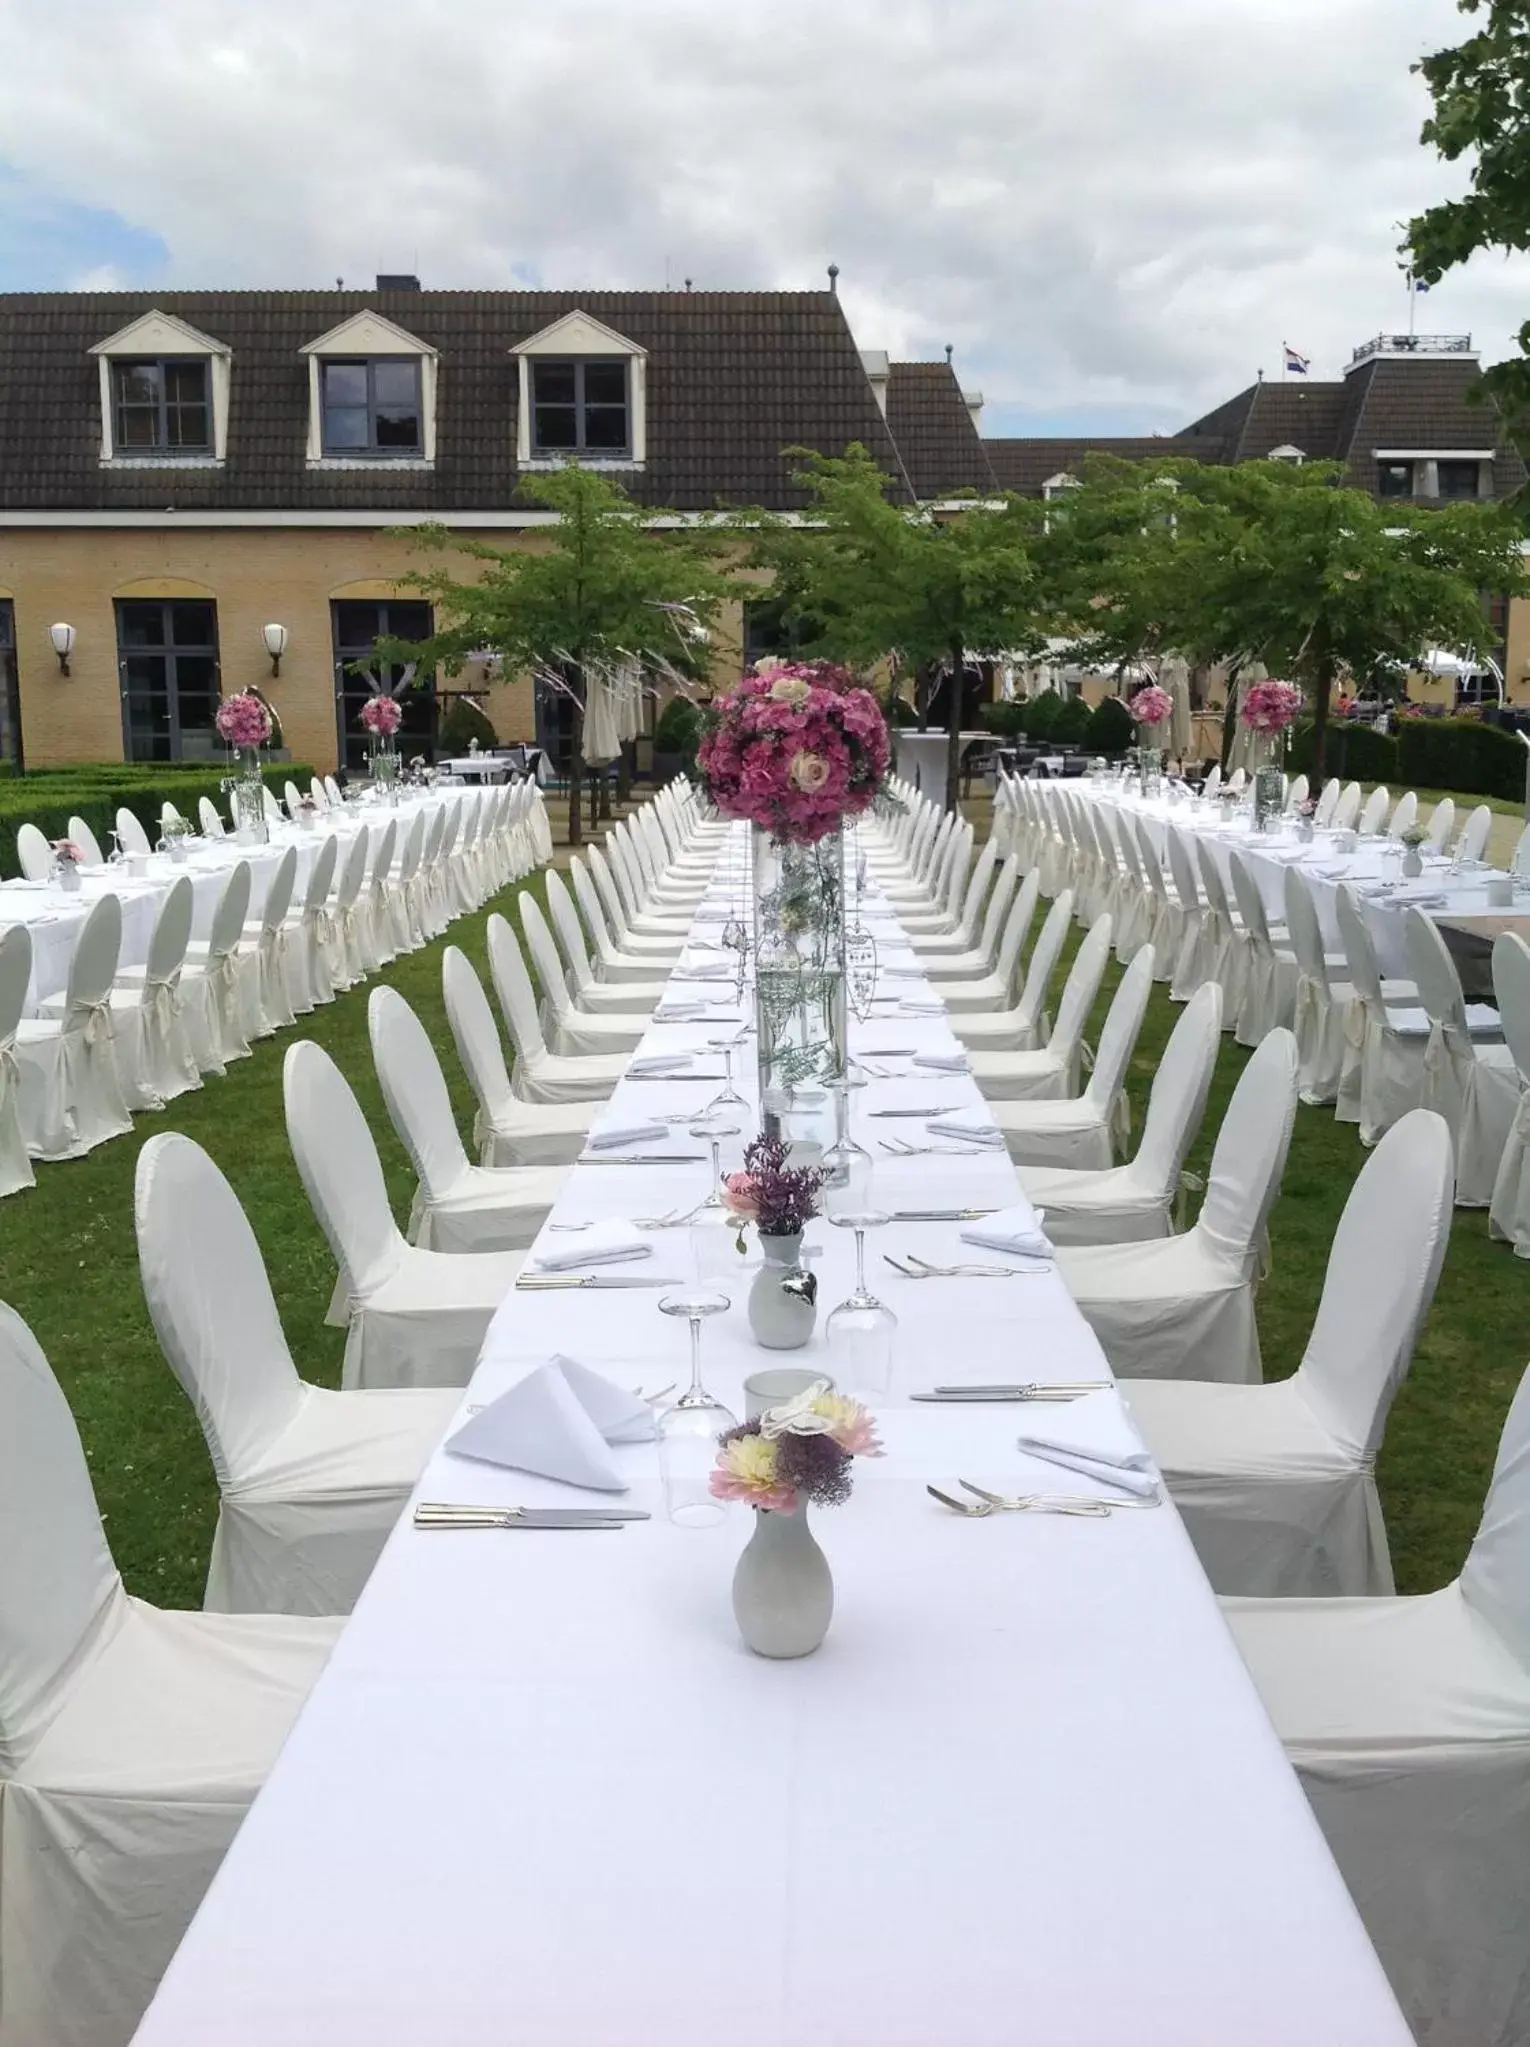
(802,1451)
(382,717)
(244,725)
(1267,713)
(796,750)
(1151,709)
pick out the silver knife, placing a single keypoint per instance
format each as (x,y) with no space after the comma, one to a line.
(945,1109)
(643,1158)
(940,1215)
(682,1073)
(520,1517)
(555,1282)
(1068,1391)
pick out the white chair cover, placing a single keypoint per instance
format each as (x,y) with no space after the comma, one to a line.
(212,990)
(1083,1131)
(1054,1072)
(507,1130)
(1441,823)
(131,1741)
(343,943)
(996,989)
(69,1096)
(1166,929)
(1405,816)
(1407,1722)
(1124,1204)
(539,1075)
(1346,812)
(311,1481)
(403,897)
(15,979)
(374,907)
(417,1318)
(1509,1213)
(131,836)
(632,998)
(1183,1307)
(1373,813)
(938,946)
(310,938)
(573,1032)
(207,813)
(34,853)
(1222,955)
(1276,1484)
(457,1206)
(609,878)
(615,965)
(1474,834)
(1026,1027)
(1269,972)
(155,1059)
(1474,1086)
(269,1005)
(1382,1074)
(1192,965)
(1318,1008)
(1327,803)
(88,843)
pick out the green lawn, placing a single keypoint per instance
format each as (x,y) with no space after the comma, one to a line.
(70,1267)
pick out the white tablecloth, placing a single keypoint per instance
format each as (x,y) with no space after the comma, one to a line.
(1025,1790)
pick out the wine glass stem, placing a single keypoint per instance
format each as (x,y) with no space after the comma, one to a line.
(860,1261)
(717,1166)
(695,1322)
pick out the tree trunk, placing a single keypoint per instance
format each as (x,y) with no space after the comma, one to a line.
(1230,718)
(624,773)
(1321,692)
(576,761)
(954,727)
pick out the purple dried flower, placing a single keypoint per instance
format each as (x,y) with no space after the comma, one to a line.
(814,1467)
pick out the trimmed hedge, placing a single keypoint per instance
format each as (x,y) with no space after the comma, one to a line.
(462,723)
(1423,753)
(1110,727)
(1005,717)
(1357,752)
(50,798)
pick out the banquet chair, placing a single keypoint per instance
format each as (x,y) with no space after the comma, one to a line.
(310,1481)
(1509,1210)
(1406,1720)
(132,1740)
(34,854)
(89,845)
(292,799)
(1237,780)
(214,993)
(1183,1307)
(1269,970)
(131,836)
(1296,795)
(1442,821)
(1404,817)
(318,792)
(15,982)
(1346,812)
(1166,919)
(940,914)
(1190,965)
(1469,1073)
(1276,1484)
(1223,955)
(571,1031)
(1319,1003)
(156,1062)
(610,879)
(1384,1031)
(170,815)
(332,791)
(1084,1131)
(1026,1026)
(442,887)
(996,989)
(374,906)
(1130,904)
(1373,813)
(457,1206)
(405,932)
(424,901)
(68,1092)
(269,804)
(944,951)
(1519,866)
(416,1317)
(308,935)
(1472,844)
(634,998)
(268,1008)
(507,1130)
(207,814)
(1123,1204)
(1049,1072)
(464,870)
(1213,781)
(614,966)
(646,913)
(540,1075)
(343,941)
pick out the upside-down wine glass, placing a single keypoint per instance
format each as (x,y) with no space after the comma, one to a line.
(861,1330)
(728,1096)
(846,1166)
(689,1430)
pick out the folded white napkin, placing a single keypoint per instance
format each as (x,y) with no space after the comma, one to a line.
(679,1012)
(942,1062)
(557,1422)
(1094,1437)
(707,970)
(606,1243)
(661,1062)
(919,1005)
(1016,1229)
(617,1134)
(974,1133)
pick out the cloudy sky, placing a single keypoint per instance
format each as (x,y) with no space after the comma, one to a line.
(1116,210)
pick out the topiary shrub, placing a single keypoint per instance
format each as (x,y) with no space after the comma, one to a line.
(462,724)
(1006,717)
(676,735)
(1072,723)
(1042,714)
(1110,727)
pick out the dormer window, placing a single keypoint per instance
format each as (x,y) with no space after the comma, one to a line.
(1288,454)
(582,397)
(1059,485)
(371,396)
(164,395)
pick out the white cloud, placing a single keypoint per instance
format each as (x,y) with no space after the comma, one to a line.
(1122,204)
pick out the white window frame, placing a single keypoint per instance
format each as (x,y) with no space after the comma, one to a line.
(368,334)
(579,335)
(1287,453)
(161,335)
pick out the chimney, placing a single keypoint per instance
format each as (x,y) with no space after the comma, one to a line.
(878,369)
(973,400)
(396,280)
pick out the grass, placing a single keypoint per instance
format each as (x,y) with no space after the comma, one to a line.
(69,1261)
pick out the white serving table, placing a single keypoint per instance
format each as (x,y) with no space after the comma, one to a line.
(543,1794)
(920,757)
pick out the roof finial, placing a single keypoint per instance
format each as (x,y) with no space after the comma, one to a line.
(687,284)
(834,280)
(950,351)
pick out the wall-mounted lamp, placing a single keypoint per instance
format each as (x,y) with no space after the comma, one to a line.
(63,638)
(275,637)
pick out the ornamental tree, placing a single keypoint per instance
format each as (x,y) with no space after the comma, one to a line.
(862,578)
(608,584)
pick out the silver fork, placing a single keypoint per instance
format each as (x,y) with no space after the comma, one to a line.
(1033,1503)
(1006,1503)
(902,1150)
(918,1268)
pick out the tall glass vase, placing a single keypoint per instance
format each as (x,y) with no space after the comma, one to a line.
(1266,752)
(1150,751)
(248,797)
(799,968)
(385,769)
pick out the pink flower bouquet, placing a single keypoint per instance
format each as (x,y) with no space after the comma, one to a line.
(1271,706)
(799,1451)
(1151,706)
(67,853)
(381,716)
(780,1200)
(243,720)
(796,750)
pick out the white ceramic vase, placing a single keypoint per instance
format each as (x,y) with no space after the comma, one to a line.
(783,1299)
(1413,863)
(783,1592)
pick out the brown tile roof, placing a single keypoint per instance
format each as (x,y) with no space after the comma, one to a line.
(1026,465)
(733,379)
(928,419)
(1423,404)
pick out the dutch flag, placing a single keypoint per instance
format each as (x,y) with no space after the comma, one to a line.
(1296,365)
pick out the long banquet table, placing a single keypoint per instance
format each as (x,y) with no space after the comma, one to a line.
(1025,1791)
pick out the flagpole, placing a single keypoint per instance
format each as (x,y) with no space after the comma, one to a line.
(1412,304)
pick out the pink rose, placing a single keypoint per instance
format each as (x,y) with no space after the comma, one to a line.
(742,1196)
(808,772)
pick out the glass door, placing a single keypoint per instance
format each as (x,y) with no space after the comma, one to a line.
(357,628)
(167,660)
(10,689)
